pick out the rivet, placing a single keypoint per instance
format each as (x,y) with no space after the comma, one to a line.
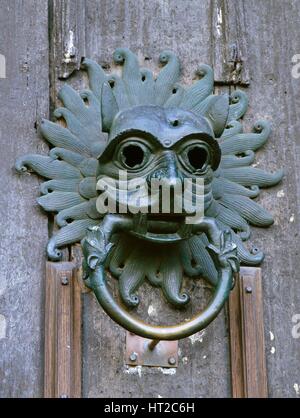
(172,361)
(167,142)
(248,289)
(64,280)
(133,356)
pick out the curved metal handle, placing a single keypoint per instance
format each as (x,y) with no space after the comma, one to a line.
(96,248)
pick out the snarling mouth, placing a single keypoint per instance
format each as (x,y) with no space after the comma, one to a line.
(161,227)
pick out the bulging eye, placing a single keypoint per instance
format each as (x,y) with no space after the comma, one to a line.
(197,157)
(133,155)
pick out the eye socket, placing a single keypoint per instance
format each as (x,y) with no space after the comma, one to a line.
(197,157)
(133,155)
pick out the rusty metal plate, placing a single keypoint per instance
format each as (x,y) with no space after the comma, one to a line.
(143,352)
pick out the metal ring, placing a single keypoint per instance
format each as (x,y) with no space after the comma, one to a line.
(98,283)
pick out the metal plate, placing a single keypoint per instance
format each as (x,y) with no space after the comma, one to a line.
(140,353)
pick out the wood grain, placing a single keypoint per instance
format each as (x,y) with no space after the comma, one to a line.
(24,99)
(275,95)
(62,378)
(248,357)
(236,342)
(229,50)
(67,35)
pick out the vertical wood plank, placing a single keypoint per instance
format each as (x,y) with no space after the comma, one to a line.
(237,43)
(63,383)
(67,35)
(62,332)
(236,341)
(229,52)
(76,258)
(77,335)
(255,373)
(275,95)
(50,334)
(248,360)
(24,99)
(67,47)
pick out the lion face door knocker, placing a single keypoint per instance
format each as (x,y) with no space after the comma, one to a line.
(185,140)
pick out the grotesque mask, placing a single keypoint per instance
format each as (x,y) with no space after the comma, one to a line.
(167,193)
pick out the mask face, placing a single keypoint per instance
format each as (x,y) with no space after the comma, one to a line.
(161,168)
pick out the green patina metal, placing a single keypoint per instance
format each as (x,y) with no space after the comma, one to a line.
(150,127)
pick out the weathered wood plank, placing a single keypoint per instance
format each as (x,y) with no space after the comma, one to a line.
(236,342)
(24,98)
(67,35)
(248,360)
(255,373)
(272,29)
(62,377)
(229,51)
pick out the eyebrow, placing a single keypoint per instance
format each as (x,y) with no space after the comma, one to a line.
(139,134)
(201,136)
(149,136)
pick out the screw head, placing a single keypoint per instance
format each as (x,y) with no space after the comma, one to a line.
(133,356)
(254,250)
(172,361)
(64,280)
(248,289)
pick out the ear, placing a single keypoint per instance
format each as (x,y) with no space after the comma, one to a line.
(217,113)
(109,107)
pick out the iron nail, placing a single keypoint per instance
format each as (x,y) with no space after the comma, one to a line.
(172,361)
(133,356)
(248,289)
(64,280)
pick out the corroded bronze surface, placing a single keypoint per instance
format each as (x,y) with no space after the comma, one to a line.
(154,129)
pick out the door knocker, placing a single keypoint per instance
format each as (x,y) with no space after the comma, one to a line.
(188,143)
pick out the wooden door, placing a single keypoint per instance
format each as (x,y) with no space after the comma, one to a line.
(250,44)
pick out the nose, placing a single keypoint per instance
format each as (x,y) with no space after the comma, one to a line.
(166,171)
